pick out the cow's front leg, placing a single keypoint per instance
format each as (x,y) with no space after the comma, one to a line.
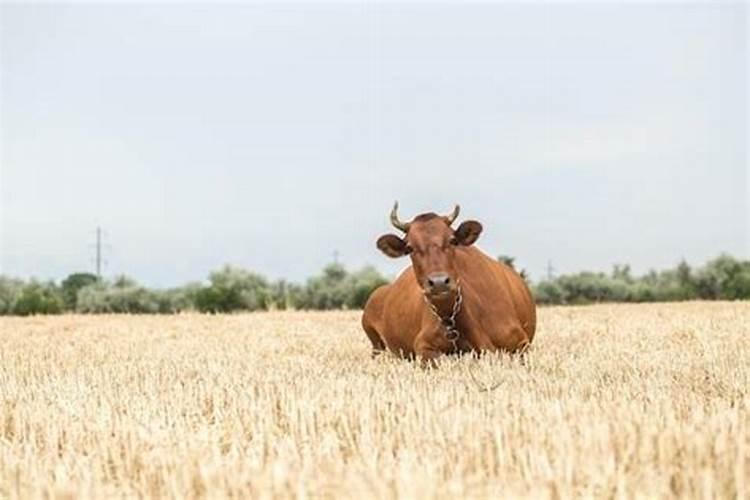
(429,346)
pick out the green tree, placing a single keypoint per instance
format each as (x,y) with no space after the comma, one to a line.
(175,300)
(10,291)
(622,273)
(72,284)
(549,292)
(285,295)
(328,290)
(233,289)
(685,280)
(296,296)
(123,295)
(38,298)
(360,286)
(724,278)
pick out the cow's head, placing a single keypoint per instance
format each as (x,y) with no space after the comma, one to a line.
(431,244)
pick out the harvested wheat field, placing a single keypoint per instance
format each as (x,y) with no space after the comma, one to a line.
(620,400)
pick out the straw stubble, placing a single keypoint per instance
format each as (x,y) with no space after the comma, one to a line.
(612,401)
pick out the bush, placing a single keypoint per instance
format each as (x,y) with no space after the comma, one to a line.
(233,289)
(72,284)
(335,288)
(724,278)
(327,291)
(361,285)
(549,292)
(10,291)
(38,298)
(122,296)
(284,295)
(175,300)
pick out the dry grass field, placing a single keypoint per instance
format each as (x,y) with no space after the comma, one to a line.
(614,401)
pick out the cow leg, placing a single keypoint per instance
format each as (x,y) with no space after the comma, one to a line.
(428,359)
(511,339)
(372,318)
(517,342)
(522,347)
(378,346)
(522,340)
(426,349)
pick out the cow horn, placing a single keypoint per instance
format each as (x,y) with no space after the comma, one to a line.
(394,219)
(454,215)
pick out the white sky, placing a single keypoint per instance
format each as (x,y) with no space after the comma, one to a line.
(269,136)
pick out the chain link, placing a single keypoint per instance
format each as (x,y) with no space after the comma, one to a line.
(449,323)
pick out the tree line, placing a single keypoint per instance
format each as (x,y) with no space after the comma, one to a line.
(231,289)
(722,278)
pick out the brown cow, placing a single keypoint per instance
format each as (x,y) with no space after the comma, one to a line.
(453,298)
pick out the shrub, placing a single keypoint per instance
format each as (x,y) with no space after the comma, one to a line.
(38,298)
(549,292)
(72,284)
(121,296)
(361,285)
(233,289)
(10,290)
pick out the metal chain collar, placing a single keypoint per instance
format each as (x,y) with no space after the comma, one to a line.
(449,323)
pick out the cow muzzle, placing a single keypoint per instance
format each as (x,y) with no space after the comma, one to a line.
(438,284)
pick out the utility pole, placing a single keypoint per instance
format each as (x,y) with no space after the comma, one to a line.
(99,247)
(550,271)
(336,257)
(99,252)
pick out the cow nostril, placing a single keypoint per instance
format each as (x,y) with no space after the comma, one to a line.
(437,281)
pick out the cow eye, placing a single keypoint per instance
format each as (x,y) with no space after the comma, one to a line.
(454,241)
(408,249)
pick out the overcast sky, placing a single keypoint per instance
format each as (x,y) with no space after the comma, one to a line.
(270,137)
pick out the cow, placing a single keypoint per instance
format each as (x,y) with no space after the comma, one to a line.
(452,299)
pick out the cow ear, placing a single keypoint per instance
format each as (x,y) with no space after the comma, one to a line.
(467,233)
(392,245)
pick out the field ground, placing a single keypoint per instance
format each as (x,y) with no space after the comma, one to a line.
(614,401)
